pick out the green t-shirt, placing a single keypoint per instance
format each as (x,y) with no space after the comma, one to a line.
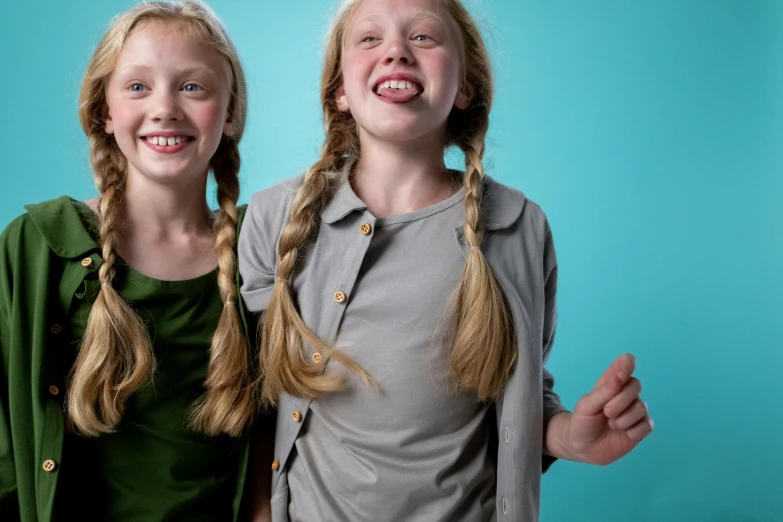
(153,467)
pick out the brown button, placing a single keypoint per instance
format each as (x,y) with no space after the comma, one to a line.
(339,297)
(86,262)
(48,465)
(365,228)
(296,416)
(276,465)
(54,390)
(317,357)
(55,329)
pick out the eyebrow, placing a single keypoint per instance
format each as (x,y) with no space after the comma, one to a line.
(195,69)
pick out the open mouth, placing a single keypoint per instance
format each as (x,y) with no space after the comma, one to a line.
(398,88)
(167,141)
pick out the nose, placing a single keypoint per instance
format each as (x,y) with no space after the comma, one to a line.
(398,51)
(166,107)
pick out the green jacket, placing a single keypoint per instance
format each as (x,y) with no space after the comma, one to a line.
(43,262)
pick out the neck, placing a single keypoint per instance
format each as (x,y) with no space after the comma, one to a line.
(163,210)
(394,178)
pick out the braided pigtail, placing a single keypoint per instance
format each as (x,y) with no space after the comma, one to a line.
(116,355)
(484,350)
(228,405)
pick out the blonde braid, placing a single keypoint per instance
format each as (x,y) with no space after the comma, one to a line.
(484,351)
(228,406)
(283,331)
(116,355)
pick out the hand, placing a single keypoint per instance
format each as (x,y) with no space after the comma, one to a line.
(611,420)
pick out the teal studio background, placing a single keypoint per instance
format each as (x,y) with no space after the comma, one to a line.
(649,131)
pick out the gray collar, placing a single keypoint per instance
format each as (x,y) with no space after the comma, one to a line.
(501,205)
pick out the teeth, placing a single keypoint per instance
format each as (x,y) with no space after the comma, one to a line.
(166,141)
(395,84)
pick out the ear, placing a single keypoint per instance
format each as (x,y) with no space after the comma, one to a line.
(342,100)
(465,96)
(228,128)
(108,123)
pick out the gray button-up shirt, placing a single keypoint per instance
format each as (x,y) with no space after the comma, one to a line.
(518,246)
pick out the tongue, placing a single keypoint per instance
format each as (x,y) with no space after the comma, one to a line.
(398,95)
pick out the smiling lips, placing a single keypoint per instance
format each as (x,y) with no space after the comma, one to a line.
(168,143)
(398,88)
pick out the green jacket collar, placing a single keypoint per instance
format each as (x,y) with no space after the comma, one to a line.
(60,222)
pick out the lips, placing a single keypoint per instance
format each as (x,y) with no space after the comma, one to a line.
(398,88)
(167,141)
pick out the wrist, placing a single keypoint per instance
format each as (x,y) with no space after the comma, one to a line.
(557,440)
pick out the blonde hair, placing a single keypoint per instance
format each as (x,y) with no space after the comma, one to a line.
(484,345)
(116,355)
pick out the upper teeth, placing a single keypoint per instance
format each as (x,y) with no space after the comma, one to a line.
(163,140)
(394,84)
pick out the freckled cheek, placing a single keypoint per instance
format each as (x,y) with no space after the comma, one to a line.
(125,117)
(209,118)
(447,67)
(357,71)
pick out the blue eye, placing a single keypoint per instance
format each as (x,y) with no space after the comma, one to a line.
(421,37)
(192,87)
(368,39)
(137,87)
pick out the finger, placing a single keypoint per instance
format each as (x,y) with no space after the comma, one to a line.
(640,430)
(594,402)
(636,412)
(622,400)
(622,368)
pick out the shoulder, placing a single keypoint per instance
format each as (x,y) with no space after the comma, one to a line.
(268,211)
(266,215)
(273,204)
(59,224)
(516,218)
(505,206)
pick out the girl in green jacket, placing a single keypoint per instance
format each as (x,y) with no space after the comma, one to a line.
(126,381)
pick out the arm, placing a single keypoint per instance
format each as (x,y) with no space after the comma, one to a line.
(553,409)
(9,502)
(262,444)
(609,421)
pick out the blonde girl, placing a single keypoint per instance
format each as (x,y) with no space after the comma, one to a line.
(430,293)
(126,382)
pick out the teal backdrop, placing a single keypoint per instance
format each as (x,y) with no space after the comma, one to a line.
(649,131)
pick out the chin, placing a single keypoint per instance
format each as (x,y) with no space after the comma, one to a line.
(170,174)
(399,133)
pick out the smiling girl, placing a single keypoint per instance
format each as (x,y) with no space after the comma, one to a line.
(123,312)
(436,286)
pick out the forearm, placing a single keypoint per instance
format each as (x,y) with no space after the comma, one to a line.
(261,475)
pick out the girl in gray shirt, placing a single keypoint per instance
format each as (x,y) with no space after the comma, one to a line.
(409,309)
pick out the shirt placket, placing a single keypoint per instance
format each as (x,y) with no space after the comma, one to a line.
(53,429)
(334,295)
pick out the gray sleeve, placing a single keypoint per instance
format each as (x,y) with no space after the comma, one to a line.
(552,403)
(266,215)
(256,256)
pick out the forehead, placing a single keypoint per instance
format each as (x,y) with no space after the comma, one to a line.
(168,43)
(402,10)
